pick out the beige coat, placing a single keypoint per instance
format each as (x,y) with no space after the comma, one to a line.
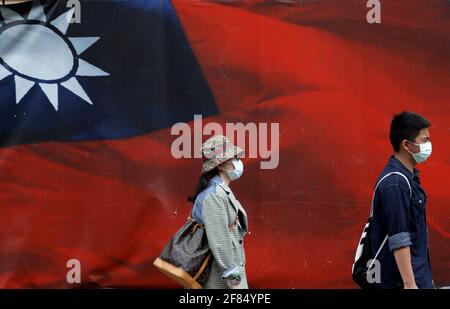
(226,225)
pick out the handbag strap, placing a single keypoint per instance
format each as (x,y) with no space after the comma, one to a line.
(199,225)
(205,263)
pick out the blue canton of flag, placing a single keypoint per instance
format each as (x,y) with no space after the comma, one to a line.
(126,69)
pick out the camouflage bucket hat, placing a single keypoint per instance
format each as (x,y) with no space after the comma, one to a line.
(217,150)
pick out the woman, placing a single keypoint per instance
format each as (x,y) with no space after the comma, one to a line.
(216,207)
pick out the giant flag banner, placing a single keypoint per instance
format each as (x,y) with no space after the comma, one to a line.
(89,92)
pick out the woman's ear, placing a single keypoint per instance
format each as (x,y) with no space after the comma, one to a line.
(221,169)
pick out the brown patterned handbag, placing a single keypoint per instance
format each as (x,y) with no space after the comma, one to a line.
(187,258)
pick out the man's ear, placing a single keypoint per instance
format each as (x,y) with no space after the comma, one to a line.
(404,145)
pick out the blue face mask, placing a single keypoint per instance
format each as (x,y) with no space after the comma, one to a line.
(423,154)
(238,170)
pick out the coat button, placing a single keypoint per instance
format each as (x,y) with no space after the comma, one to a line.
(240,241)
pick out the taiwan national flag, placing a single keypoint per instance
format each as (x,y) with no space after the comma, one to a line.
(89,93)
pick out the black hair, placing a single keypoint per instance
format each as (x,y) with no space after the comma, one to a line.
(406,126)
(203,183)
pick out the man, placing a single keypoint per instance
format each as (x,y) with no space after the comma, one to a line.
(400,208)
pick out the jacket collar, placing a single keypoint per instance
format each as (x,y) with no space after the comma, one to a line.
(394,162)
(217,180)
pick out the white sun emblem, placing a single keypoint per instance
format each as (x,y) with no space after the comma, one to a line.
(39,52)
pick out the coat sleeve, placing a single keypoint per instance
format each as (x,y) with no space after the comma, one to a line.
(215,218)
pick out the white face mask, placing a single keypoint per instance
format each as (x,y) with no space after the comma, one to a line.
(238,169)
(424,153)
